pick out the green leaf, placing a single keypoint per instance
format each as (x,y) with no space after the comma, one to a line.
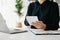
(19,6)
(17,1)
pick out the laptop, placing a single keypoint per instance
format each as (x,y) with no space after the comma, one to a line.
(4,28)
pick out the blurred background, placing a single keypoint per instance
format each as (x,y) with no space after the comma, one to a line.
(7,9)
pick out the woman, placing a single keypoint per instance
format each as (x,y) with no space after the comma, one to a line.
(47,12)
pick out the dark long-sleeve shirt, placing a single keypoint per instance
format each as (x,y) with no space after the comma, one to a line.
(48,12)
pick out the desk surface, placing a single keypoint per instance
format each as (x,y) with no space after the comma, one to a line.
(27,36)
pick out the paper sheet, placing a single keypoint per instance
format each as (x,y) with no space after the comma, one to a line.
(31,19)
(42,32)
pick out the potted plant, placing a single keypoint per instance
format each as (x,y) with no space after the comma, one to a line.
(18,11)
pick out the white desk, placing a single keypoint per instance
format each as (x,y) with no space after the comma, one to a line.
(28,36)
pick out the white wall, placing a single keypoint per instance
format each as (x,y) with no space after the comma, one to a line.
(7,9)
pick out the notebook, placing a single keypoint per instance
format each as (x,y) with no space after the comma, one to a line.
(43,32)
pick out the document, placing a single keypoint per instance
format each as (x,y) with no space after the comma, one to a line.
(31,19)
(43,32)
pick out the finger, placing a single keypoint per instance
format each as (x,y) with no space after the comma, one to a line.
(34,24)
(41,21)
(37,25)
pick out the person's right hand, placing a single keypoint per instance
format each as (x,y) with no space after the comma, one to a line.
(39,25)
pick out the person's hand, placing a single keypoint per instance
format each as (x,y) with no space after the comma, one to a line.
(39,24)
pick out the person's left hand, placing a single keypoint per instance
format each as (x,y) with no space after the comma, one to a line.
(39,24)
